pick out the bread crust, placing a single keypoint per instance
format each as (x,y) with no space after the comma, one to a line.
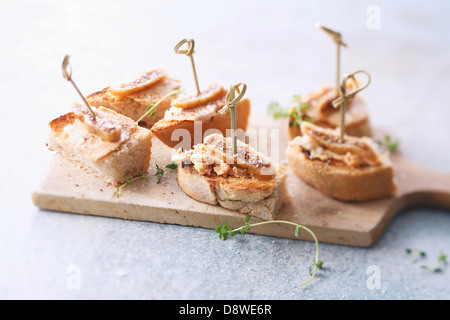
(343,183)
(262,199)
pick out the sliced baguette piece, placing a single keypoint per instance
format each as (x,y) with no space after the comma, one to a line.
(132,99)
(355,170)
(75,137)
(228,184)
(321,113)
(190,117)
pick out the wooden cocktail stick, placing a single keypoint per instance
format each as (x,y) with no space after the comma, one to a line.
(231,101)
(189,52)
(67,74)
(337,38)
(344,96)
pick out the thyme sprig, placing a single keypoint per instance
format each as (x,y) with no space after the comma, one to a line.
(145,176)
(151,109)
(225,231)
(440,260)
(388,143)
(295,113)
(140,176)
(160,171)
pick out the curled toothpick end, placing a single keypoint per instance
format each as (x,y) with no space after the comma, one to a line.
(190,43)
(341,101)
(231,101)
(66,68)
(189,51)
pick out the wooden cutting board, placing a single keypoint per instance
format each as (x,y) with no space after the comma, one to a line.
(67,188)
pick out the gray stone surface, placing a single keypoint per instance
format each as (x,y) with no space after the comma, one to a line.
(274,47)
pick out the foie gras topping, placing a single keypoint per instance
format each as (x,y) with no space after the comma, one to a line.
(214,156)
(94,139)
(325,145)
(144,81)
(213,92)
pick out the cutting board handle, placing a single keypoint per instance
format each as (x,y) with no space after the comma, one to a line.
(420,186)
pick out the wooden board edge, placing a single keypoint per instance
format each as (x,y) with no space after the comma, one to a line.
(194,219)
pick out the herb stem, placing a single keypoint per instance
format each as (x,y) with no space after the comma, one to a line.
(316,262)
(153,107)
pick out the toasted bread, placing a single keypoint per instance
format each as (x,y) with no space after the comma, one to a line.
(76,138)
(210,179)
(206,114)
(355,170)
(132,102)
(321,113)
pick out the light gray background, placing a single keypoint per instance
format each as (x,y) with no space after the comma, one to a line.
(274,47)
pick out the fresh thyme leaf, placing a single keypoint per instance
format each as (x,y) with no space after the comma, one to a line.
(295,113)
(172,166)
(142,176)
(388,143)
(298,101)
(442,257)
(160,171)
(223,231)
(436,270)
(277,112)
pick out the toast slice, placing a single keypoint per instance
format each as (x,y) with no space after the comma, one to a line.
(210,174)
(318,109)
(355,170)
(113,147)
(132,99)
(193,116)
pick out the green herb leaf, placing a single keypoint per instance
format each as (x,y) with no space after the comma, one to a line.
(224,231)
(142,176)
(294,113)
(442,257)
(277,112)
(159,173)
(172,166)
(388,143)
